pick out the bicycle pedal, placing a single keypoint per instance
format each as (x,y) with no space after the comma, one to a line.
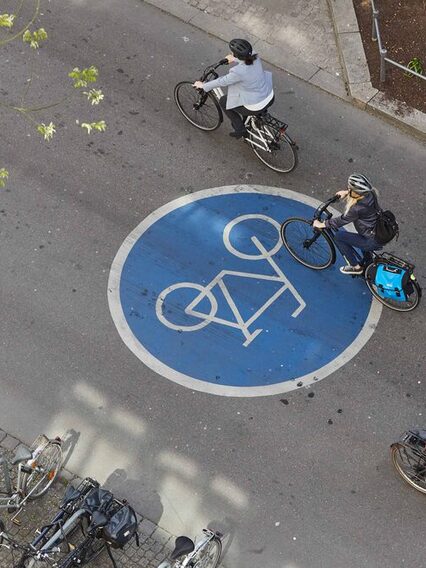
(16,521)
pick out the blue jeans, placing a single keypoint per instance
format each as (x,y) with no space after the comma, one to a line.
(347,241)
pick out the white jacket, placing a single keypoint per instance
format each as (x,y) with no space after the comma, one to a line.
(247,84)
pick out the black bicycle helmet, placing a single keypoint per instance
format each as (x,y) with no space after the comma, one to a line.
(240,48)
(359,183)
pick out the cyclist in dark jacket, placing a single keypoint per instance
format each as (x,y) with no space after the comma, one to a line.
(361,210)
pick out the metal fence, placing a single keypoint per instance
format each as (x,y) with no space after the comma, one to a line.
(384,52)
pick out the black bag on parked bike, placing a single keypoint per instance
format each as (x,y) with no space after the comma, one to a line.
(121,527)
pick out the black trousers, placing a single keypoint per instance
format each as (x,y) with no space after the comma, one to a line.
(238,114)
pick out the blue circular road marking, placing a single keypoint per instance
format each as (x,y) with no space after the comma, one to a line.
(203,292)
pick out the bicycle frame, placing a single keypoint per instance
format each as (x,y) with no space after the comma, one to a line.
(14,498)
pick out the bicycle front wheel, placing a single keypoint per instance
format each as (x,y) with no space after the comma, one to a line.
(46,464)
(311,248)
(279,156)
(399,305)
(410,465)
(201,109)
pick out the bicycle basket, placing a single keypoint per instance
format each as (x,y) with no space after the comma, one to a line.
(121,527)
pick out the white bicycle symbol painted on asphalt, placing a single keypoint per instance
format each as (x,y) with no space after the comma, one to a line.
(205,292)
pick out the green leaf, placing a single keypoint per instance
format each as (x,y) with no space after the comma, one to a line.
(4,174)
(34,38)
(84,76)
(89,126)
(95,96)
(6,20)
(415,65)
(47,131)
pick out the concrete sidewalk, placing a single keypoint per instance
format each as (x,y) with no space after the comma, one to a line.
(316,40)
(155,543)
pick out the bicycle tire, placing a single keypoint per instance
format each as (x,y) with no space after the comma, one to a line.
(295,232)
(200,109)
(401,454)
(207,557)
(49,461)
(397,305)
(89,549)
(280,156)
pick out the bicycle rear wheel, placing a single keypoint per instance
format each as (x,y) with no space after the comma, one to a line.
(84,553)
(412,298)
(410,465)
(208,556)
(46,464)
(311,248)
(280,156)
(201,109)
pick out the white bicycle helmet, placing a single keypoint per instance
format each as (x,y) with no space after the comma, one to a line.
(359,183)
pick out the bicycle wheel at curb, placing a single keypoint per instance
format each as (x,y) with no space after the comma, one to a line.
(201,109)
(410,466)
(46,465)
(209,555)
(312,249)
(281,157)
(397,305)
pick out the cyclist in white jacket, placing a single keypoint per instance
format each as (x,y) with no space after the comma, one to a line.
(250,88)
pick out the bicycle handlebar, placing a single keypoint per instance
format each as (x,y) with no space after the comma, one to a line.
(323,207)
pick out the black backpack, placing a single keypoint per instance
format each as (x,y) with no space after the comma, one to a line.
(386,225)
(121,527)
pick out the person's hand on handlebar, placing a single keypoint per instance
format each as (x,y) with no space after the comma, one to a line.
(198,84)
(342,193)
(318,224)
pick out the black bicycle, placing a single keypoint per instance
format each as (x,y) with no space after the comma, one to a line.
(267,137)
(316,249)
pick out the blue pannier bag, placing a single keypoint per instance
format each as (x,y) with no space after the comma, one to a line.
(392,282)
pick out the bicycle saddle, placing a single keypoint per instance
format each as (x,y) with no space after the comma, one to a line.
(22,454)
(183,545)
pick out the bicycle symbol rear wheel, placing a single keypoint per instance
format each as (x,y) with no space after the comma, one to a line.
(313,249)
(200,109)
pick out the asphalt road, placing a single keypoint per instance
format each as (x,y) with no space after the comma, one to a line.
(306,484)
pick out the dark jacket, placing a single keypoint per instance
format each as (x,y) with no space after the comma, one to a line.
(363,214)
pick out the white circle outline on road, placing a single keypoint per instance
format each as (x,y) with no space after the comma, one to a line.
(159,367)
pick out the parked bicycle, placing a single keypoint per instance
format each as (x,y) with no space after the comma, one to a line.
(105,523)
(409,458)
(267,136)
(35,469)
(204,553)
(390,279)
(54,536)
